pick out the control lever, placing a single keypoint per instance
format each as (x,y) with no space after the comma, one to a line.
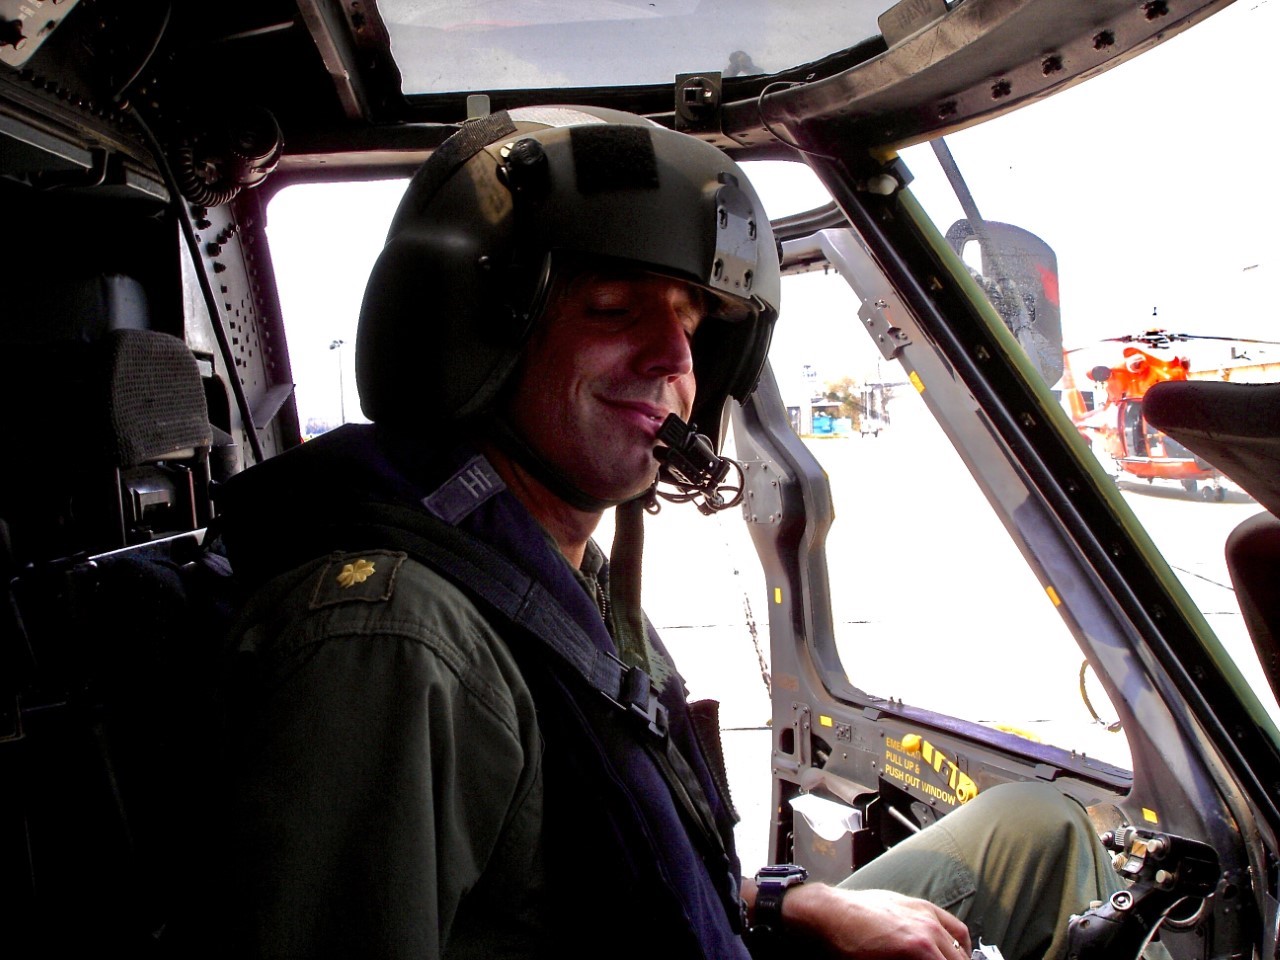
(1165,870)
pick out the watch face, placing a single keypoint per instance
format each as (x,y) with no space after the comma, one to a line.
(782,871)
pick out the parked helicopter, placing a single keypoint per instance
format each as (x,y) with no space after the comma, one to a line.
(1118,431)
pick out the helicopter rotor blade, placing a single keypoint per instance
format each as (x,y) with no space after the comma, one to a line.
(1164,338)
(1209,336)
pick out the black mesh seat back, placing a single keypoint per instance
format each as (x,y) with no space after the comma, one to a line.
(88,389)
(154,401)
(80,412)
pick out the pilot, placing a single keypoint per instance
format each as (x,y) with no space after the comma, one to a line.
(453,733)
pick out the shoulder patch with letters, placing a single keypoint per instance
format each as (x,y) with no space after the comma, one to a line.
(474,483)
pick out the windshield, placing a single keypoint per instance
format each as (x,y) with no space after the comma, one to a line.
(449,47)
(1158,275)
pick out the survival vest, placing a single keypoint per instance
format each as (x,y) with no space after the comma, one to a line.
(648,865)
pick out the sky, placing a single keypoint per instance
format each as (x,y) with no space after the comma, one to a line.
(1155,183)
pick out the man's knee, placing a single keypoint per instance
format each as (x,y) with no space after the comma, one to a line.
(1017,819)
(1027,806)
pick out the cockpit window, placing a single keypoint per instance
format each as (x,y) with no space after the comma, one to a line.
(1139,276)
(527,44)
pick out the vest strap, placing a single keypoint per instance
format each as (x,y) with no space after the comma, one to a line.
(488,576)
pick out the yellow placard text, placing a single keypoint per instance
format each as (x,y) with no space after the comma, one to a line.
(915,763)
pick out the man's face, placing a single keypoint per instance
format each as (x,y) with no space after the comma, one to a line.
(610,359)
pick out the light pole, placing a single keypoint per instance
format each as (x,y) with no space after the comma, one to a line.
(342,400)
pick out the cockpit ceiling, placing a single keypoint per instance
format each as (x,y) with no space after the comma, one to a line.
(368,87)
(775,73)
(441,46)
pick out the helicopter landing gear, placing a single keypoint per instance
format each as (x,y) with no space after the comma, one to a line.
(1212,493)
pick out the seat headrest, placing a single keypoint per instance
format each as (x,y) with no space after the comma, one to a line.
(154,399)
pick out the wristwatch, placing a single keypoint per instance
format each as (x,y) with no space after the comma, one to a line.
(772,884)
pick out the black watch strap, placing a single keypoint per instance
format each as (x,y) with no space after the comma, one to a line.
(772,884)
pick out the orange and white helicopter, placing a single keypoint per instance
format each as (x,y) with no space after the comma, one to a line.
(1117,430)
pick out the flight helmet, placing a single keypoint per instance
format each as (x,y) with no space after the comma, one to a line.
(511,199)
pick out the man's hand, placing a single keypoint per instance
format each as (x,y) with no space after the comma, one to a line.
(873,924)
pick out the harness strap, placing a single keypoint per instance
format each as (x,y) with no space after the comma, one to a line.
(489,576)
(627,625)
(626,621)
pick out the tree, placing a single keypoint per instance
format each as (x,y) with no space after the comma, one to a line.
(847,392)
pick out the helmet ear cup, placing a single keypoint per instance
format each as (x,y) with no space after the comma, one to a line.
(439,327)
(728,357)
(398,370)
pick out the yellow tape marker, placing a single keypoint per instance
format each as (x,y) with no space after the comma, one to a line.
(917,382)
(777,594)
(1149,816)
(1053,595)
(825,721)
(1018,732)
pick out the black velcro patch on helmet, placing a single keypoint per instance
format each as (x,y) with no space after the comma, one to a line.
(613,158)
(473,137)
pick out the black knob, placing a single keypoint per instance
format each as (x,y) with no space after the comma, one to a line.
(526,166)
